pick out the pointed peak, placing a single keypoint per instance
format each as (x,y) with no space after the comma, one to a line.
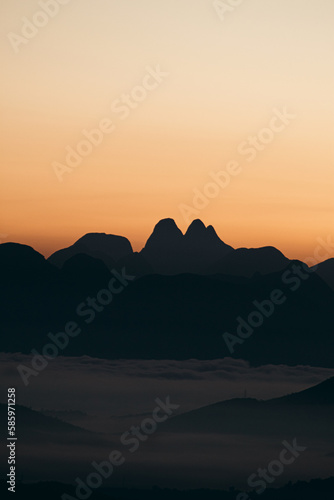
(166,223)
(167,227)
(197,226)
(165,233)
(197,223)
(211,230)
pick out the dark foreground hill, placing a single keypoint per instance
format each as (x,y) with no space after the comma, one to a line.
(217,446)
(165,317)
(38,428)
(321,489)
(307,414)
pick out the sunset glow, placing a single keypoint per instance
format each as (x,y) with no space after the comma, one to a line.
(194,88)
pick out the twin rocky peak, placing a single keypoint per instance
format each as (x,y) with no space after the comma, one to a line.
(168,251)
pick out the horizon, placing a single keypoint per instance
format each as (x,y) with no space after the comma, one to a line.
(138,246)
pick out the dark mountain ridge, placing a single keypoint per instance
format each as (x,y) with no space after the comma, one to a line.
(169,252)
(305,413)
(169,315)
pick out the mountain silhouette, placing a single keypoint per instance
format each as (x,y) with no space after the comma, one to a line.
(163,248)
(107,247)
(308,413)
(171,252)
(166,317)
(85,271)
(37,425)
(321,394)
(189,290)
(326,271)
(136,265)
(173,309)
(165,233)
(249,261)
(201,245)
(21,262)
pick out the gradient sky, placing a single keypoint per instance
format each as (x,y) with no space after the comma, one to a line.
(225,78)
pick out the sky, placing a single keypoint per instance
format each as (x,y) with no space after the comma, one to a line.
(116,114)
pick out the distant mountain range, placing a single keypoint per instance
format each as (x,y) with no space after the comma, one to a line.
(106,247)
(166,252)
(307,414)
(37,426)
(169,252)
(242,432)
(189,290)
(234,416)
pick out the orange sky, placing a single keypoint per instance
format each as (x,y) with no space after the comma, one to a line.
(222,81)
